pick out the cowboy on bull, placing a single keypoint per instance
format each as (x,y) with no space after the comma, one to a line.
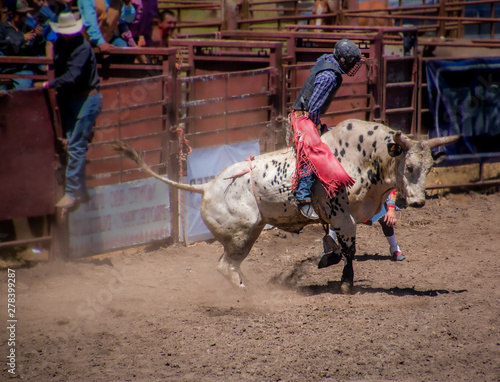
(314,158)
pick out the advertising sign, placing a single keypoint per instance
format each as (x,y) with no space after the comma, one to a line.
(120,216)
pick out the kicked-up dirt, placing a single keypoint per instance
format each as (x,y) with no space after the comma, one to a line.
(164,313)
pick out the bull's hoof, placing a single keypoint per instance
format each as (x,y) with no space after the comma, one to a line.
(231,274)
(329,259)
(346,288)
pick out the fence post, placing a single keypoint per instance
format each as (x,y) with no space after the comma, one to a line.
(170,148)
(442,23)
(59,248)
(278,113)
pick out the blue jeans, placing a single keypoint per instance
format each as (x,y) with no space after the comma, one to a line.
(304,187)
(19,83)
(79,116)
(23,83)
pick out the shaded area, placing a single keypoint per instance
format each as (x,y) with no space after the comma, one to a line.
(333,287)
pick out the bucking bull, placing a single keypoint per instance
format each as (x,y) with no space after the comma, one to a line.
(250,194)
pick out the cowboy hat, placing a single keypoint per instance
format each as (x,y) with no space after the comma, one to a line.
(67,24)
(19,6)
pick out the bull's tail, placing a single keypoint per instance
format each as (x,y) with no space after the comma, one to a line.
(131,153)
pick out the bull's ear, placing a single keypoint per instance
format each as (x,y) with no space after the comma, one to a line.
(438,156)
(394,149)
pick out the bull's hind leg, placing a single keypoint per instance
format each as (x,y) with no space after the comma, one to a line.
(236,249)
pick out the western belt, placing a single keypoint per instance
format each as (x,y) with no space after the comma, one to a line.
(301,113)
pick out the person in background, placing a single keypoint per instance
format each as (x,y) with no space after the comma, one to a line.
(19,39)
(166,25)
(42,12)
(126,33)
(387,219)
(142,27)
(102,18)
(134,26)
(79,100)
(314,158)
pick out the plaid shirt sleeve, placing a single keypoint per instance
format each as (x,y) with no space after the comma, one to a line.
(323,85)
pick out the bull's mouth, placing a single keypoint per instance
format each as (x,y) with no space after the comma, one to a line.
(401,203)
(417,204)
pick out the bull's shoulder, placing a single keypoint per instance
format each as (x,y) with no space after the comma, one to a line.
(356,125)
(357,134)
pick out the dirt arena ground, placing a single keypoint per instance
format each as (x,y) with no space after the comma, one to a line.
(164,313)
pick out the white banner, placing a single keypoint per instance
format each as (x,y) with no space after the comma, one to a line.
(204,165)
(120,216)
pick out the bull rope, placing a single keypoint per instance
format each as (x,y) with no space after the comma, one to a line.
(250,170)
(184,151)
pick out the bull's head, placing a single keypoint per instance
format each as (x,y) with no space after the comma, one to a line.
(413,162)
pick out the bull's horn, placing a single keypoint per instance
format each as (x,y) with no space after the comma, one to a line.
(402,141)
(443,141)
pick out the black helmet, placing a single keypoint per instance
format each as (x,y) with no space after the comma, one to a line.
(348,55)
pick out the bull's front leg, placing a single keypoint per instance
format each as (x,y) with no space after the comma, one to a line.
(336,211)
(347,280)
(346,236)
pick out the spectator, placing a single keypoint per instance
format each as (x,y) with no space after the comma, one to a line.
(142,27)
(19,39)
(102,18)
(42,12)
(135,26)
(126,33)
(79,100)
(166,25)
(148,20)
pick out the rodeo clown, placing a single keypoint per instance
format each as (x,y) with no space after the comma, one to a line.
(314,158)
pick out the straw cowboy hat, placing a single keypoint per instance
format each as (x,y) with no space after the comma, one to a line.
(19,6)
(67,24)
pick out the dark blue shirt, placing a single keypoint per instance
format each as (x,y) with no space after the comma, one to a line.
(75,66)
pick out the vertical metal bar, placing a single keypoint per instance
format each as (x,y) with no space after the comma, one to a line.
(118,120)
(461,28)
(169,149)
(59,249)
(414,79)
(442,23)
(492,25)
(226,124)
(378,51)
(279,111)
(418,117)
(383,91)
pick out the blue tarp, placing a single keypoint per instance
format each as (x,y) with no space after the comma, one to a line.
(464,98)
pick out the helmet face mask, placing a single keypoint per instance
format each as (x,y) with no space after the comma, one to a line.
(352,72)
(348,55)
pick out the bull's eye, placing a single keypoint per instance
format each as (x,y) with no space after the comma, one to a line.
(409,169)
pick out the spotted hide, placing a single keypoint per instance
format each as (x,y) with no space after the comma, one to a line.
(246,196)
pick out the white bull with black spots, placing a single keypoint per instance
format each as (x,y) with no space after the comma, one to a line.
(250,194)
